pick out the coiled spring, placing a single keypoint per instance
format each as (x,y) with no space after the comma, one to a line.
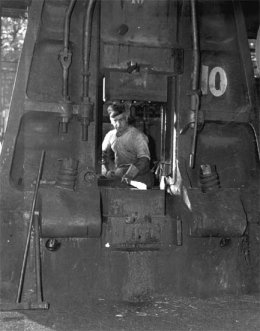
(68,173)
(209,178)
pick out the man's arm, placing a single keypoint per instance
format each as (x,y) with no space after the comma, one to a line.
(104,163)
(142,164)
(106,153)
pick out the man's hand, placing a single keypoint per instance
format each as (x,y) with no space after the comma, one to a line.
(103,170)
(119,172)
(126,180)
(110,174)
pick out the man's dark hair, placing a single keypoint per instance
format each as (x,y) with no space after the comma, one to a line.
(116,109)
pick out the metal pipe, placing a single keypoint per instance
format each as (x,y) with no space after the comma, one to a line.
(67,23)
(21,281)
(163,130)
(87,47)
(65,55)
(195,81)
(196,50)
(37,258)
(65,60)
(86,106)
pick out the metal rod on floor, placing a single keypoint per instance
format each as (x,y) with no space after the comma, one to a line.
(21,281)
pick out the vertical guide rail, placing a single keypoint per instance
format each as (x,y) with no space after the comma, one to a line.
(163,130)
(195,81)
(21,281)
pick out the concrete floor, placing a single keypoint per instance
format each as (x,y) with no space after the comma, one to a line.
(163,313)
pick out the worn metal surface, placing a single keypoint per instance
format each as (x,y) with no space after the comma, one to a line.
(137,86)
(132,202)
(67,213)
(152,23)
(213,214)
(134,233)
(149,58)
(136,220)
(154,53)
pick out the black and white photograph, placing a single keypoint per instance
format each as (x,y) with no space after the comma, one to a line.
(130,165)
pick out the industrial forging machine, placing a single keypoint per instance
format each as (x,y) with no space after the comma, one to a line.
(185,72)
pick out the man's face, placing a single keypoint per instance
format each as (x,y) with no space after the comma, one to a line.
(119,122)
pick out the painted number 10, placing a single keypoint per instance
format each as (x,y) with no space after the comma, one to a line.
(215,81)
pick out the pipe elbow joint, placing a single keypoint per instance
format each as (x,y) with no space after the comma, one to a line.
(65,110)
(85,116)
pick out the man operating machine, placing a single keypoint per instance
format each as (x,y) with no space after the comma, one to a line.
(130,148)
